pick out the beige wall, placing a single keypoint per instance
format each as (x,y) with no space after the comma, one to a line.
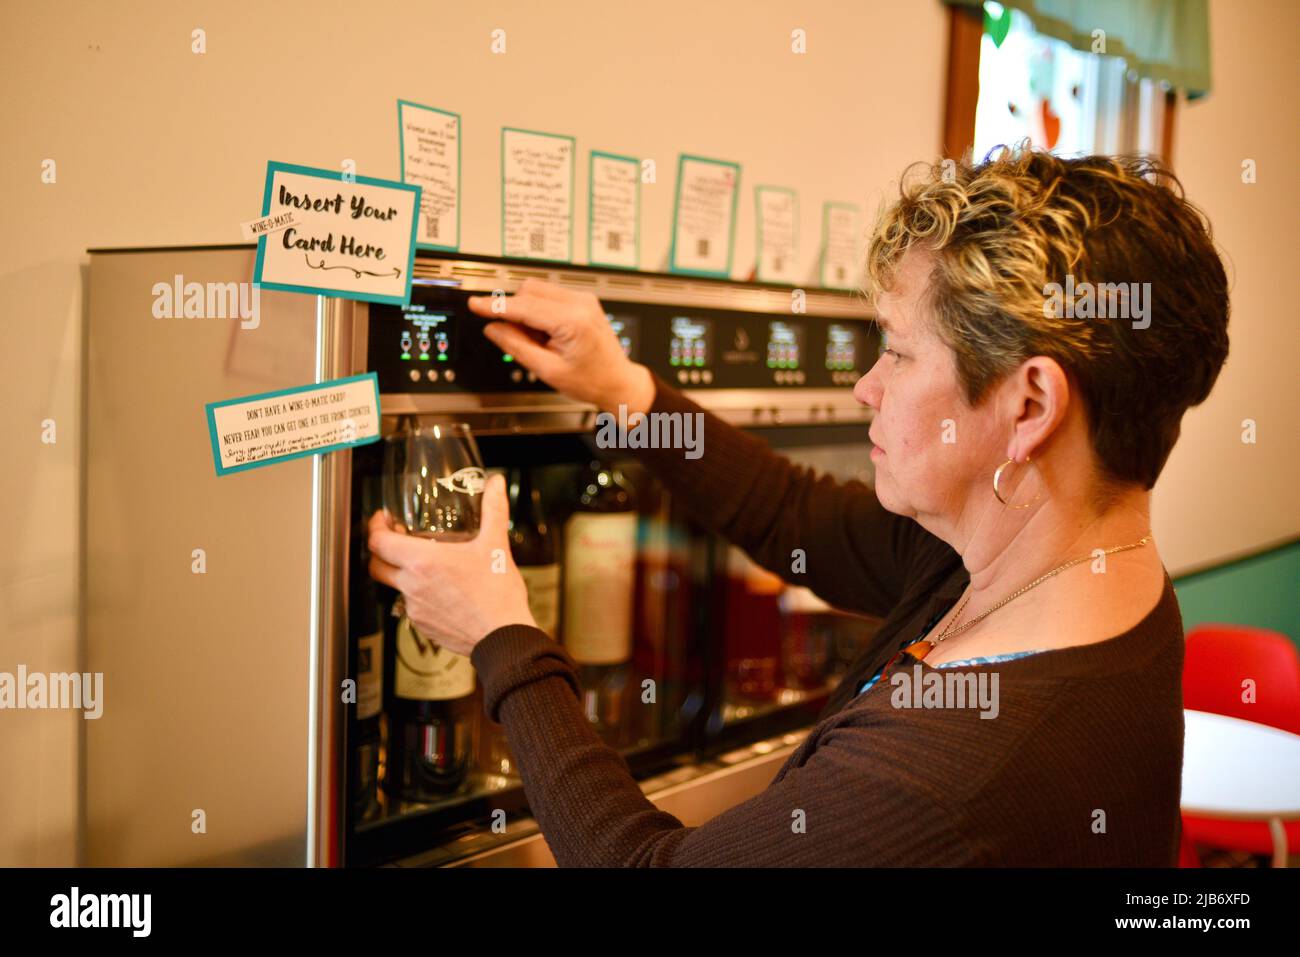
(156,145)
(1219,496)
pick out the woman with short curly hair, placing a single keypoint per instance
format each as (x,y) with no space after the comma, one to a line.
(1048,321)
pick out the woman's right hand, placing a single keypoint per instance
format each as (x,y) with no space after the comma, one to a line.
(565,337)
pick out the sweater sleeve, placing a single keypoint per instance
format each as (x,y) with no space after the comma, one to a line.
(856,554)
(841,806)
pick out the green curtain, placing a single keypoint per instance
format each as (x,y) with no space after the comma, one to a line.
(1162,39)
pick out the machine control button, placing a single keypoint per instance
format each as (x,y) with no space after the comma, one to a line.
(706,376)
(516,375)
(798,376)
(432,375)
(415,375)
(449,375)
(681,375)
(694,375)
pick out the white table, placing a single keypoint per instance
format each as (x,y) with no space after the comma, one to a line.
(1242,771)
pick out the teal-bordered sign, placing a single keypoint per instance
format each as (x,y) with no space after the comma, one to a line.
(724,273)
(272,168)
(591,205)
(211,407)
(401,145)
(826,227)
(758,230)
(573,165)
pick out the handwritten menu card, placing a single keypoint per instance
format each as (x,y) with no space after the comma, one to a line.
(841,236)
(536,195)
(614,211)
(704,216)
(430,144)
(354,236)
(778,214)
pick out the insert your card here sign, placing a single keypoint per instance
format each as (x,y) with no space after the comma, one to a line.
(352,236)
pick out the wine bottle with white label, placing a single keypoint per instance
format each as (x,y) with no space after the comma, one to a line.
(599,588)
(533,548)
(432,719)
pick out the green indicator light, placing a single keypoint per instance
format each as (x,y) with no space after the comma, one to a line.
(424,355)
(406,355)
(506,357)
(673,361)
(770,363)
(442,357)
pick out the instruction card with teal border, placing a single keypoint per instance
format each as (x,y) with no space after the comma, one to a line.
(776,217)
(614,211)
(353,237)
(429,140)
(704,216)
(272,427)
(537,171)
(841,239)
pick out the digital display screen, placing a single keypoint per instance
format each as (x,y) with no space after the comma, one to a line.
(426,335)
(692,342)
(784,344)
(841,347)
(625,327)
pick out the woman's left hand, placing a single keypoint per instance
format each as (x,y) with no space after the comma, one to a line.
(456,593)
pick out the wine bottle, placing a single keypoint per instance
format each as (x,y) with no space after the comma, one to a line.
(432,720)
(752,633)
(599,576)
(533,547)
(366,633)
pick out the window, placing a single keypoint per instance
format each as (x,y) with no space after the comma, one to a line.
(1029,85)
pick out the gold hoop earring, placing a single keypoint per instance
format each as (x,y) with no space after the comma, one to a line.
(997,477)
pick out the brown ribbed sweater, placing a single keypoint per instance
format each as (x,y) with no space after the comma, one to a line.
(1081,766)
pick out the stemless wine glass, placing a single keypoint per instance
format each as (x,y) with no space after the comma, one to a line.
(434,479)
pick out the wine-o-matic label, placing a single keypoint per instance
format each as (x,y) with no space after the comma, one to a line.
(425,672)
(599,581)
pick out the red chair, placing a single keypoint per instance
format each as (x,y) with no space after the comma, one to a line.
(1187,856)
(1218,659)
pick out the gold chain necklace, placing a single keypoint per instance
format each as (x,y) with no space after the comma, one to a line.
(949,631)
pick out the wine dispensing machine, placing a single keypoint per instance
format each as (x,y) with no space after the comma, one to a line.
(227,612)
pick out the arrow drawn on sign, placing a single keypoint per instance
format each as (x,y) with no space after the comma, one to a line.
(396,273)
